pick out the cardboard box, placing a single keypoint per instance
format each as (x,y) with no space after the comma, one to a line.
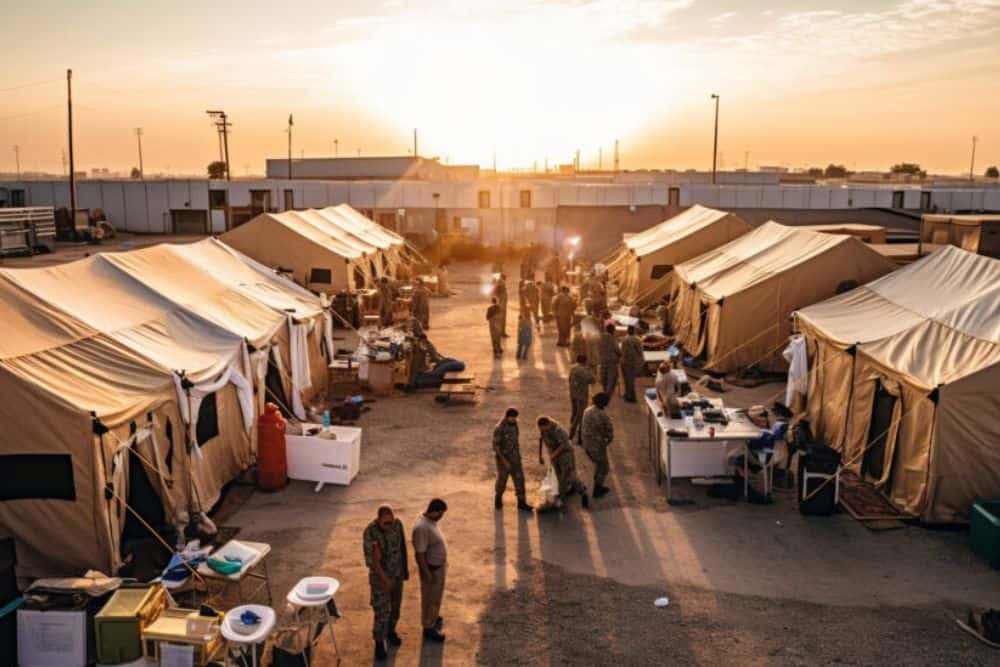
(51,638)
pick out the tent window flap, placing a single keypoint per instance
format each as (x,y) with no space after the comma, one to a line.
(321,276)
(208,420)
(37,476)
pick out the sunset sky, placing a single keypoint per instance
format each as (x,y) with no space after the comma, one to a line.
(803,82)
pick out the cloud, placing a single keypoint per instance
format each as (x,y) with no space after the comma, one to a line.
(722,18)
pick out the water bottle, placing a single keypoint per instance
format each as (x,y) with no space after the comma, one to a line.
(699,419)
(326,419)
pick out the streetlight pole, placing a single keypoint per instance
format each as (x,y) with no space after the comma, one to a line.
(972,164)
(290,146)
(138,136)
(336,147)
(17,160)
(715,141)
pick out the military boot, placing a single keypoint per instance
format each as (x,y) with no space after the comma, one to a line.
(380,653)
(498,501)
(523,505)
(585,500)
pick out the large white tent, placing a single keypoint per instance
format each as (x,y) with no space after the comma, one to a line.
(642,264)
(905,377)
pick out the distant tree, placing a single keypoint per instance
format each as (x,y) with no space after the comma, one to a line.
(835,171)
(815,171)
(911,168)
(993,172)
(217,169)
(135,174)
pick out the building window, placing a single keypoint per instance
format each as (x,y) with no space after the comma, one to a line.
(660,270)
(17,198)
(218,198)
(289,200)
(25,476)
(484,199)
(525,198)
(321,276)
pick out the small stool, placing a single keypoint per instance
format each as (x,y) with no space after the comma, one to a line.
(251,640)
(313,606)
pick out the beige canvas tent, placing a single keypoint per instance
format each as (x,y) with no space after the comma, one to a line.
(642,264)
(904,380)
(975,233)
(867,233)
(732,304)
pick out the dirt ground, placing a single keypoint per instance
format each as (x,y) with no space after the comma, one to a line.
(747,583)
(752,584)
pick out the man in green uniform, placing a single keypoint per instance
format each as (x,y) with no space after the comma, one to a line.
(564,307)
(496,333)
(500,294)
(421,304)
(507,449)
(385,301)
(609,355)
(580,379)
(598,433)
(632,363)
(533,298)
(663,316)
(548,293)
(385,556)
(561,457)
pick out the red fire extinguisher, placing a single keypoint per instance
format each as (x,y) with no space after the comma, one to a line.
(272,464)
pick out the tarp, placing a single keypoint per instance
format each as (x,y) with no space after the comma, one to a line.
(929,335)
(732,304)
(643,263)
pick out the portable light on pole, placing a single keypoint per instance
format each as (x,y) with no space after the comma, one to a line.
(138,136)
(715,141)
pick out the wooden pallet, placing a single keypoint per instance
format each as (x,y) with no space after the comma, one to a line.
(457,393)
(456,378)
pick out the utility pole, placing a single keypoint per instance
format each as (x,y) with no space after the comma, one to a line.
(576,161)
(415,153)
(222,124)
(72,174)
(715,141)
(336,147)
(616,156)
(138,136)
(17,160)
(972,164)
(290,123)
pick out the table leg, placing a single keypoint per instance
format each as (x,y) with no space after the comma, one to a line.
(329,625)
(670,468)
(746,470)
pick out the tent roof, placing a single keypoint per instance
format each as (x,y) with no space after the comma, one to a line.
(934,320)
(304,224)
(369,227)
(689,222)
(327,224)
(971,220)
(132,314)
(763,253)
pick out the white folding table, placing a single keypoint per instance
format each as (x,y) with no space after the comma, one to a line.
(699,454)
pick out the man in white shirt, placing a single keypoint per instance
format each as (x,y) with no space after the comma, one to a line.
(431,552)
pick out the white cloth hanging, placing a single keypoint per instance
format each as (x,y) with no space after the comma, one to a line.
(798,369)
(301,374)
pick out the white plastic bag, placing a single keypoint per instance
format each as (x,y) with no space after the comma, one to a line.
(549,489)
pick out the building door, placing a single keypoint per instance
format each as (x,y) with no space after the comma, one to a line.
(674,197)
(897,199)
(925,201)
(260,201)
(289,200)
(186,221)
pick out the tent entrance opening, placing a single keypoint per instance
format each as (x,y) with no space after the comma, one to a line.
(883,406)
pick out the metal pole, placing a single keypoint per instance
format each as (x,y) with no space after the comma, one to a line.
(225,142)
(72,174)
(289,146)
(972,164)
(138,136)
(415,153)
(715,141)
(17,160)
(616,156)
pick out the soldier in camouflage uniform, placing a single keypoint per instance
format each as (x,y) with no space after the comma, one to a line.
(609,354)
(385,556)
(420,304)
(564,306)
(507,449)
(561,457)
(598,433)
(580,379)
(632,362)
(385,301)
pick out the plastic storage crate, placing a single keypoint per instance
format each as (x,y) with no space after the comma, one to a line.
(984,531)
